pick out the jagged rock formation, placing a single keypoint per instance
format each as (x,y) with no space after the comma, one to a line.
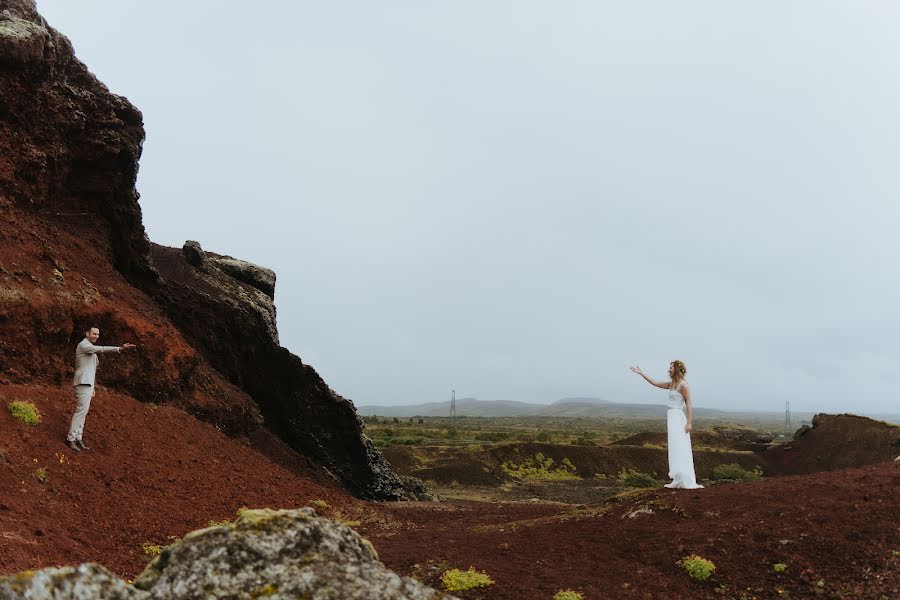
(68,147)
(265,553)
(232,323)
(74,253)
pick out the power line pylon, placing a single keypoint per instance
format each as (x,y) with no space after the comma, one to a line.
(452,404)
(787,418)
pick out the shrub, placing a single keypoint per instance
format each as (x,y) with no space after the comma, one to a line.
(26,412)
(568,595)
(697,567)
(491,436)
(151,549)
(779,567)
(455,580)
(319,503)
(633,478)
(540,467)
(735,472)
(583,441)
(41,474)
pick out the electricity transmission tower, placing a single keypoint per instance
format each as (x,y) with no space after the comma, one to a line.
(787,418)
(452,404)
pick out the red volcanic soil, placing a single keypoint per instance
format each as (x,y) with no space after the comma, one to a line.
(841,528)
(154,473)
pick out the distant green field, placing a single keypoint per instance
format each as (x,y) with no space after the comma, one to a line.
(485,431)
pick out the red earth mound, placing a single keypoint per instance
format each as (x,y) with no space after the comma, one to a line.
(154,473)
(836,442)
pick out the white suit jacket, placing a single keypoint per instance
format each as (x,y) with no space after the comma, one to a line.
(86,361)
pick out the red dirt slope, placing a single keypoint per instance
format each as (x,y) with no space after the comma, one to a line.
(841,528)
(154,472)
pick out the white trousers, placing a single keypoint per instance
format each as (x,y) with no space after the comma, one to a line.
(83,395)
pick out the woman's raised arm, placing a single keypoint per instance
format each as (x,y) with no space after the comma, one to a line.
(664,385)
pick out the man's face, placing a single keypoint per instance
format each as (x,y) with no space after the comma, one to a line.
(93,334)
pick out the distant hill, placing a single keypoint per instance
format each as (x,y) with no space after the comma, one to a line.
(469,407)
(564,407)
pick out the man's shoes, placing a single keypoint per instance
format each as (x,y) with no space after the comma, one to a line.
(72,444)
(82,446)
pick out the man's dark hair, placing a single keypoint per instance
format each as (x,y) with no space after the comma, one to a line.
(92,327)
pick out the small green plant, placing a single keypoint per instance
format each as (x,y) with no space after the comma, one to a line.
(568,595)
(151,549)
(779,567)
(218,523)
(26,412)
(632,478)
(455,580)
(41,474)
(735,472)
(319,504)
(540,467)
(697,567)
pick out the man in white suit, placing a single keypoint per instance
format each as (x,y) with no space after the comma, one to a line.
(86,360)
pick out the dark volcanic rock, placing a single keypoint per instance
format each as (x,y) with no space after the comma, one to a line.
(69,148)
(193,253)
(232,323)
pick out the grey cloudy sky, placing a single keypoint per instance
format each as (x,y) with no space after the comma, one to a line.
(520,199)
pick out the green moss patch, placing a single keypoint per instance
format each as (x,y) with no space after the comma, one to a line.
(26,412)
(455,580)
(697,567)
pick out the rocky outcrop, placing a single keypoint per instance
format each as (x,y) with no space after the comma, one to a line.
(206,327)
(265,553)
(69,148)
(232,323)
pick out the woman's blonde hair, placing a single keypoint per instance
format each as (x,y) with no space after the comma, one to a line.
(678,373)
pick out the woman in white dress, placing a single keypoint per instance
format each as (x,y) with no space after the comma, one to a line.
(678,426)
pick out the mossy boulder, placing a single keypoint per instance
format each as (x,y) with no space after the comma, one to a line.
(276,554)
(85,582)
(273,554)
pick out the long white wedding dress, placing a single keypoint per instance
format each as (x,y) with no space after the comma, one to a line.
(681,459)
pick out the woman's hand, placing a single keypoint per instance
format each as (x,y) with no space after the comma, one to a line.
(687,428)
(636,370)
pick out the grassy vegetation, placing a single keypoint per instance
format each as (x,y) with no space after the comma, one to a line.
(632,478)
(697,567)
(151,549)
(455,580)
(26,412)
(463,431)
(735,472)
(568,595)
(41,474)
(540,467)
(218,523)
(779,567)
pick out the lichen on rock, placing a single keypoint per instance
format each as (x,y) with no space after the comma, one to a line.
(84,582)
(277,554)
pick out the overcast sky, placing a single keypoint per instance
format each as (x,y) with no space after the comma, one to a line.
(520,199)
